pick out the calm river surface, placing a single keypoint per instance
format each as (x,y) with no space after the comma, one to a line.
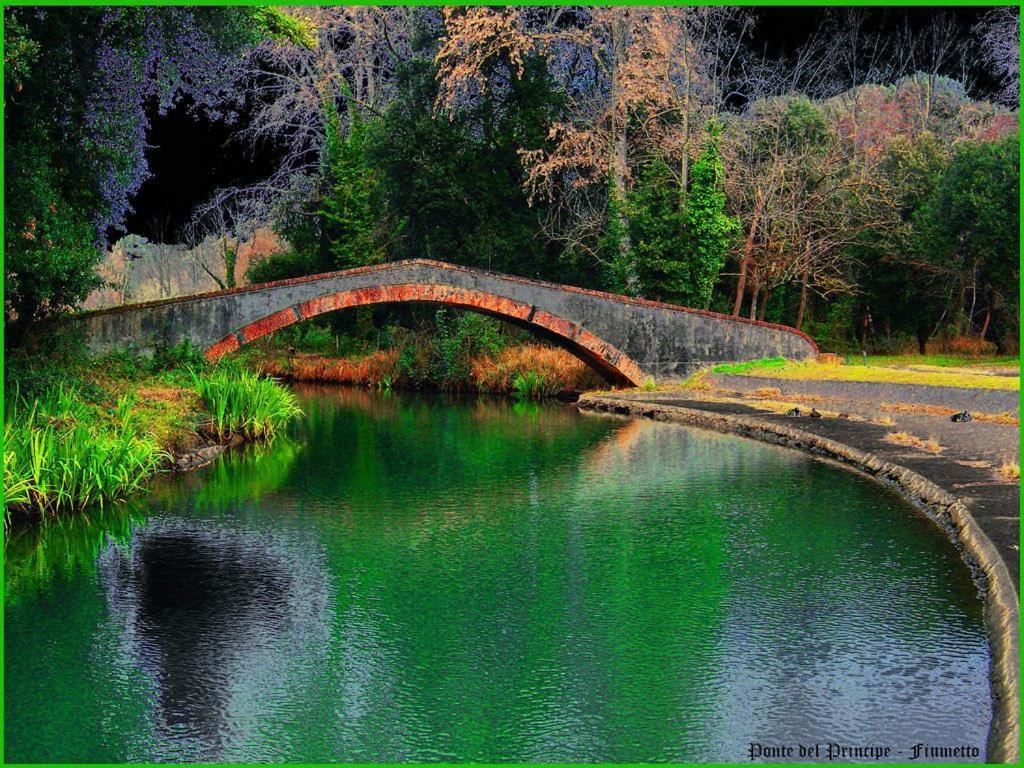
(412,578)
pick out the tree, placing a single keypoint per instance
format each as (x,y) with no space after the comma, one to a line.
(679,252)
(999,32)
(339,55)
(707,231)
(970,231)
(351,224)
(633,82)
(454,176)
(80,86)
(343,223)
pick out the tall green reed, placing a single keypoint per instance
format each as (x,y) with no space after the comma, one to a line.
(242,403)
(61,453)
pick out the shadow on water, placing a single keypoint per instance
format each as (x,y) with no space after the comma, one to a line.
(203,608)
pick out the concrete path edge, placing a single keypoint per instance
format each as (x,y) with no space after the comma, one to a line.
(1002,605)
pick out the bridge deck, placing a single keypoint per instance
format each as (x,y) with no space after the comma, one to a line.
(628,339)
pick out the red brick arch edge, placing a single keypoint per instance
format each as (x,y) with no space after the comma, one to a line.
(610,360)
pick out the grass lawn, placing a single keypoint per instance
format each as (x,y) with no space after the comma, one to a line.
(936,361)
(887,370)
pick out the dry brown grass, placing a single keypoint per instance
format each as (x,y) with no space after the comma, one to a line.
(370,370)
(1010,470)
(775,406)
(904,438)
(970,346)
(1008,419)
(771,393)
(561,371)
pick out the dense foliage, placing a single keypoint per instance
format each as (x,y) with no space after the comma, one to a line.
(85,431)
(81,85)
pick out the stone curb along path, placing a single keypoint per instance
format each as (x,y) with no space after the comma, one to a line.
(1002,606)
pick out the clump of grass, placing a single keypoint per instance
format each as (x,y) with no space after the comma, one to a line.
(696,381)
(242,403)
(529,385)
(904,438)
(61,453)
(1006,418)
(1010,470)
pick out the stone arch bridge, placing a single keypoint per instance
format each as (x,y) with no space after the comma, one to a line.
(627,340)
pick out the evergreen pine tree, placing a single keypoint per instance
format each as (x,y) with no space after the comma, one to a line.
(707,230)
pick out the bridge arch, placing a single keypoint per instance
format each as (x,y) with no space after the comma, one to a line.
(598,353)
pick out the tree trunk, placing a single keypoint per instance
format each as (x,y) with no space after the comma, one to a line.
(230,260)
(803,296)
(960,311)
(753,303)
(625,243)
(764,304)
(748,247)
(619,165)
(741,284)
(684,163)
(974,296)
(984,326)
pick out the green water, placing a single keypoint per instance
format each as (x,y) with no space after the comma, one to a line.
(407,579)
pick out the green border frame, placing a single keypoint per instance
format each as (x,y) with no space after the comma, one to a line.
(745,3)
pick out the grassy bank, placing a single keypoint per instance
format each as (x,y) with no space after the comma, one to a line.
(891,371)
(92,430)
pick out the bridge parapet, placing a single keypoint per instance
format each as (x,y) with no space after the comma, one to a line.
(627,339)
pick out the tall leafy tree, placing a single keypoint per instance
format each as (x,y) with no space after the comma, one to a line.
(679,252)
(708,231)
(351,209)
(455,177)
(970,230)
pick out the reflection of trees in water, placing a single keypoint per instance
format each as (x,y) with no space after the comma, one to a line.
(220,622)
(464,453)
(244,473)
(481,581)
(65,546)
